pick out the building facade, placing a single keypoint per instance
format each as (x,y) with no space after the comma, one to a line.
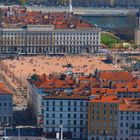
(41,39)
(129,120)
(68,111)
(56,103)
(102,120)
(6,105)
(137,30)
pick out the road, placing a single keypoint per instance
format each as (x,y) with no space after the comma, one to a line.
(88,11)
(91,11)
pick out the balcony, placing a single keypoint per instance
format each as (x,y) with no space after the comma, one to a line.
(135,127)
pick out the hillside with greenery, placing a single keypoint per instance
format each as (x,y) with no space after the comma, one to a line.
(109,40)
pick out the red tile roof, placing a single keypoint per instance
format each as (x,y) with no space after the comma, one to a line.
(4,90)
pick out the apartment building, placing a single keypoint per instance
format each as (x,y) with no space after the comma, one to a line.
(6,105)
(128,89)
(129,119)
(67,109)
(88,106)
(103,118)
(127,3)
(44,39)
(58,100)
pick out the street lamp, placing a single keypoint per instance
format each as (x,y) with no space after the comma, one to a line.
(61,132)
(5,127)
(19,131)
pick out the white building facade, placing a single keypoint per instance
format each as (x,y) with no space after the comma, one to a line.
(129,120)
(39,39)
(71,113)
(6,106)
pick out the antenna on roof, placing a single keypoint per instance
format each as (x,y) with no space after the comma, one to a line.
(70,6)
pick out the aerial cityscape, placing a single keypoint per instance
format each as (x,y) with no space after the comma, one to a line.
(70,70)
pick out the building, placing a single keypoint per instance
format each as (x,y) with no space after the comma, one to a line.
(86,105)
(58,100)
(45,39)
(128,90)
(137,30)
(102,118)
(6,105)
(127,3)
(67,109)
(129,119)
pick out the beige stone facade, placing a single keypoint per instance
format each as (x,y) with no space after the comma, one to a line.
(137,37)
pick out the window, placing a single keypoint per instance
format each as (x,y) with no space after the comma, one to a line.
(75,122)
(133,118)
(61,121)
(121,117)
(53,103)
(97,118)
(69,122)
(5,104)
(104,118)
(126,131)
(75,109)
(53,109)
(61,103)
(74,115)
(53,122)
(61,115)
(127,117)
(47,115)
(104,111)
(97,111)
(69,115)
(121,131)
(81,122)
(61,108)
(47,122)
(104,124)
(126,124)
(69,109)
(53,115)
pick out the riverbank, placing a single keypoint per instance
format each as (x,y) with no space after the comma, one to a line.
(86,11)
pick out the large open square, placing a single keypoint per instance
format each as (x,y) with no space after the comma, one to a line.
(21,67)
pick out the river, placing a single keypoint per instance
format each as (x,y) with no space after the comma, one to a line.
(123,26)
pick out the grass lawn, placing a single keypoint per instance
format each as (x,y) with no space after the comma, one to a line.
(109,40)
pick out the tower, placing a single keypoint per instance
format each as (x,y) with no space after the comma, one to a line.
(137,30)
(112,3)
(138,20)
(70,5)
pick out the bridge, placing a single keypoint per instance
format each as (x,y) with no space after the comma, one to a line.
(88,11)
